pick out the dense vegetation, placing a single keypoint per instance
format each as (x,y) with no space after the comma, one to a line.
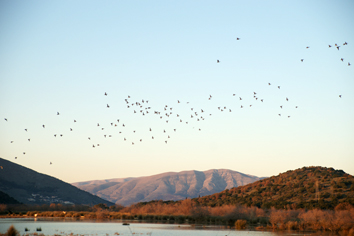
(308,187)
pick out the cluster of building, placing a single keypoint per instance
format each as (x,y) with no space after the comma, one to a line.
(38,198)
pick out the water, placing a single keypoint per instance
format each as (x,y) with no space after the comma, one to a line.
(52,226)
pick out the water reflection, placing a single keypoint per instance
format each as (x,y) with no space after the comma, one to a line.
(67,226)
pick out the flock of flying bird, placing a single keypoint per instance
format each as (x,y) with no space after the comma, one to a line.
(337,46)
(166,114)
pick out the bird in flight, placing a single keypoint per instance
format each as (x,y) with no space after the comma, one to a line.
(105,94)
(237,38)
(217,61)
(342,59)
(340,96)
(302,60)
(278,87)
(57,113)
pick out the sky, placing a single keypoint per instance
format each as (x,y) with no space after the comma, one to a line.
(159,59)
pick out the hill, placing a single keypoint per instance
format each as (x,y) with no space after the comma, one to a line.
(30,187)
(308,187)
(166,186)
(6,199)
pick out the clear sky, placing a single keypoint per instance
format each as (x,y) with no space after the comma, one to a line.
(63,56)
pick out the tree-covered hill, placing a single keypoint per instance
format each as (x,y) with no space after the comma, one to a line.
(308,187)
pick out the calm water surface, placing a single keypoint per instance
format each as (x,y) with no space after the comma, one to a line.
(111,228)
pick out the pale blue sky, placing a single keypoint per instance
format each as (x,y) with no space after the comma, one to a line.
(62,56)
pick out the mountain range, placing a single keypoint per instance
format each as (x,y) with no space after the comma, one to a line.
(166,186)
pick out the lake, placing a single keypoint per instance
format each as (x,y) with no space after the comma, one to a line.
(59,226)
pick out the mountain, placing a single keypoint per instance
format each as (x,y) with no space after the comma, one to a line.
(30,187)
(166,186)
(6,199)
(308,187)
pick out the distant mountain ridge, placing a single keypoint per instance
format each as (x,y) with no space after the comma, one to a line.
(166,186)
(30,187)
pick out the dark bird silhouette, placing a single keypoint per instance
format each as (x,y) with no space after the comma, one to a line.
(29,140)
(345,43)
(338,47)
(43,126)
(105,94)
(307,47)
(57,113)
(279,114)
(26,130)
(340,96)
(348,63)
(217,61)
(278,87)
(71,129)
(55,135)
(50,163)
(287,99)
(342,59)
(269,84)
(329,46)
(5,119)
(107,106)
(238,39)
(302,60)
(281,106)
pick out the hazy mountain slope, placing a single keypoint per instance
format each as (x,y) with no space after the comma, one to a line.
(94,186)
(167,186)
(308,187)
(30,187)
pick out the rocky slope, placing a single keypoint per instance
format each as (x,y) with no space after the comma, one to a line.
(166,186)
